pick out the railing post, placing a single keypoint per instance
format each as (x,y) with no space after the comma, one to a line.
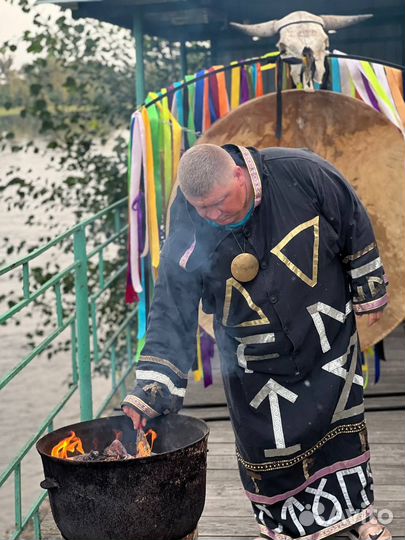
(82,324)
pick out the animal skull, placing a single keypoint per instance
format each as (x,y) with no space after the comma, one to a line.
(303,41)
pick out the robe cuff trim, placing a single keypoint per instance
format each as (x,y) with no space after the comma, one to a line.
(164,362)
(360,253)
(371,306)
(135,401)
(155,376)
(366,268)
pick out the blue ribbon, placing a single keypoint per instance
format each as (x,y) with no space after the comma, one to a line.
(142,306)
(254,79)
(199,102)
(179,99)
(336,83)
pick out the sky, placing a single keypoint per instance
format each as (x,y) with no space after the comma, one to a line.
(13,22)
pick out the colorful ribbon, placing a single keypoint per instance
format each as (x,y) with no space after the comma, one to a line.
(160,131)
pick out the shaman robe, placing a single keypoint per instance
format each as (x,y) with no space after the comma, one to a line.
(287,340)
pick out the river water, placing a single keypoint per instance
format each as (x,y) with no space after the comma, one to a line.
(33,393)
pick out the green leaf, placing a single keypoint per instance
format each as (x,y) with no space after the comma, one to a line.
(35,89)
(40,104)
(35,47)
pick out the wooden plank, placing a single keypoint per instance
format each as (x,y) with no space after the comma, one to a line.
(378,402)
(207,413)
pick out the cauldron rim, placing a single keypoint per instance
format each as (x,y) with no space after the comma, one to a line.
(119,462)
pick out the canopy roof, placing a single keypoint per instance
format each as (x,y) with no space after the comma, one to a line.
(193,19)
(172,19)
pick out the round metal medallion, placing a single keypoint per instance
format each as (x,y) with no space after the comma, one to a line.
(245,267)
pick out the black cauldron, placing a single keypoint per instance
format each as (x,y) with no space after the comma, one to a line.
(156,498)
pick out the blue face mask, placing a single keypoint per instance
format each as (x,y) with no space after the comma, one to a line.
(234,226)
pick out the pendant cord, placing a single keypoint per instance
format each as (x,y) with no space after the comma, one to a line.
(237,241)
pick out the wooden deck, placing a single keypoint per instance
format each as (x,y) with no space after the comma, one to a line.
(227,514)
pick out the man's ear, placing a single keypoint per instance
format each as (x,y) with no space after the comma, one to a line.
(238,173)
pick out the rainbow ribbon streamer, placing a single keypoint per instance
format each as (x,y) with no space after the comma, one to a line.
(162,130)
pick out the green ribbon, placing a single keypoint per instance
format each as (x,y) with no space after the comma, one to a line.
(155,126)
(191,137)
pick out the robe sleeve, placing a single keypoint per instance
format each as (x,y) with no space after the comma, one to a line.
(342,208)
(170,348)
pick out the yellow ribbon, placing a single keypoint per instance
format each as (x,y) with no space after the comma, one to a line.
(198,374)
(235,86)
(167,146)
(268,66)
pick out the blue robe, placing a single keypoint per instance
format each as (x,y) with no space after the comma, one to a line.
(287,340)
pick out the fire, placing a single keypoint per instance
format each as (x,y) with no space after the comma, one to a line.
(144,447)
(71,444)
(153,437)
(72,448)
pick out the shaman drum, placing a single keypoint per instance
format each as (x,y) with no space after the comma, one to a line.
(363,144)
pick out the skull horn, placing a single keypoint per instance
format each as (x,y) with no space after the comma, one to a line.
(260,30)
(334,22)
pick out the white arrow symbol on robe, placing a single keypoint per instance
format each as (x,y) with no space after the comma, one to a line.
(273,390)
(336,367)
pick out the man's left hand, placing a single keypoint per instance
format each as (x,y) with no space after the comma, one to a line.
(374,317)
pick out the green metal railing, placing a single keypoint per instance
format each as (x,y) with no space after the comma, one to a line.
(88,349)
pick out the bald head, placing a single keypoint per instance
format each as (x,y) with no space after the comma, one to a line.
(202,168)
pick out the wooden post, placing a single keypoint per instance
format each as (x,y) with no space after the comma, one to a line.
(183,59)
(139,52)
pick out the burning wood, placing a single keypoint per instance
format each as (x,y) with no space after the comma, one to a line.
(143,448)
(116,451)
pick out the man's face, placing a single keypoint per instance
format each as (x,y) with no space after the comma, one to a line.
(227,203)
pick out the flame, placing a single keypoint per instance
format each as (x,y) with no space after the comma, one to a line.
(71,444)
(144,448)
(153,437)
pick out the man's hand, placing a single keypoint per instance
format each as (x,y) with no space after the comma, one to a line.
(136,418)
(374,317)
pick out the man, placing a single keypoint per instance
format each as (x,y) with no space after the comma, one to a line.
(280,249)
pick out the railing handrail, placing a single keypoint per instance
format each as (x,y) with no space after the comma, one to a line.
(77,318)
(60,238)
